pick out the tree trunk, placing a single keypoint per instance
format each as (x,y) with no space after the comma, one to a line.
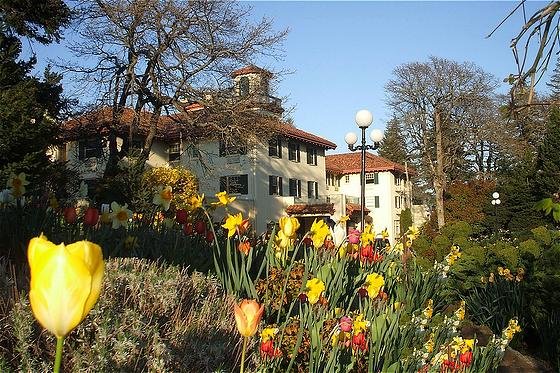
(439,179)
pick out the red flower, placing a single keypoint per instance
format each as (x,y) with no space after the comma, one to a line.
(382,295)
(70,215)
(181,216)
(200,227)
(377,257)
(366,253)
(268,350)
(188,229)
(307,241)
(362,292)
(466,358)
(448,365)
(209,237)
(244,247)
(302,298)
(91,217)
(328,244)
(359,342)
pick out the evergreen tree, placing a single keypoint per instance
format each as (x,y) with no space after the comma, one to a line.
(547,174)
(554,83)
(29,106)
(393,144)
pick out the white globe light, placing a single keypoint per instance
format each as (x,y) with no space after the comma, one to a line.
(376,135)
(364,118)
(351,138)
(496,195)
(498,202)
(493,202)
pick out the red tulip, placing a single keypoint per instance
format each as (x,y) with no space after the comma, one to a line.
(359,342)
(70,215)
(200,227)
(209,237)
(181,216)
(188,229)
(91,216)
(466,358)
(268,350)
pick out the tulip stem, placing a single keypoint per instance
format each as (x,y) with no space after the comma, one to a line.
(245,339)
(58,358)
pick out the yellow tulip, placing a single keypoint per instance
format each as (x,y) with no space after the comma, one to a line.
(289,226)
(247,316)
(65,282)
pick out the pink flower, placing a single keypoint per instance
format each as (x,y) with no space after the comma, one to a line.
(345,323)
(354,236)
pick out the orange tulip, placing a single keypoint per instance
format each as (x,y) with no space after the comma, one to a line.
(248,316)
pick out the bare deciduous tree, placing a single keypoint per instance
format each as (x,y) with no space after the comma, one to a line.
(160,55)
(437,102)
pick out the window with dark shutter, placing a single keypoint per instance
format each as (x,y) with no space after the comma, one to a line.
(311,156)
(295,188)
(90,148)
(293,151)
(275,147)
(234,184)
(274,185)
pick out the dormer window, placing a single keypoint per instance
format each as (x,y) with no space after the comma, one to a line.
(244,86)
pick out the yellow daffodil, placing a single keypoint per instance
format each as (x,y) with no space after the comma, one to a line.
(429,346)
(429,310)
(247,316)
(232,222)
(385,234)
(374,283)
(162,196)
(223,199)
(65,282)
(460,313)
(368,235)
(360,325)
(512,328)
(268,333)
(120,215)
(289,226)
(413,232)
(343,219)
(196,202)
(17,184)
(314,289)
(318,232)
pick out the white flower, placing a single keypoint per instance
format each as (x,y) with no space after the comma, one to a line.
(120,215)
(162,196)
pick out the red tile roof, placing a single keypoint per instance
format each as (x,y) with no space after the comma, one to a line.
(352,208)
(307,209)
(98,122)
(293,132)
(351,163)
(251,69)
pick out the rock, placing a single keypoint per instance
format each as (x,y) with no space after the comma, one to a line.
(482,333)
(515,362)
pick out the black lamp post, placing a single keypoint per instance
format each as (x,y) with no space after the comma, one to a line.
(363,120)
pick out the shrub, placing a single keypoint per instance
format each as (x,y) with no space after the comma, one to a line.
(150,317)
(183,182)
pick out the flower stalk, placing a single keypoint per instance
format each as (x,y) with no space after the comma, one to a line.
(58,356)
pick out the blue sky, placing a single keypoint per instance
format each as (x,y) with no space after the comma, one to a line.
(341,54)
